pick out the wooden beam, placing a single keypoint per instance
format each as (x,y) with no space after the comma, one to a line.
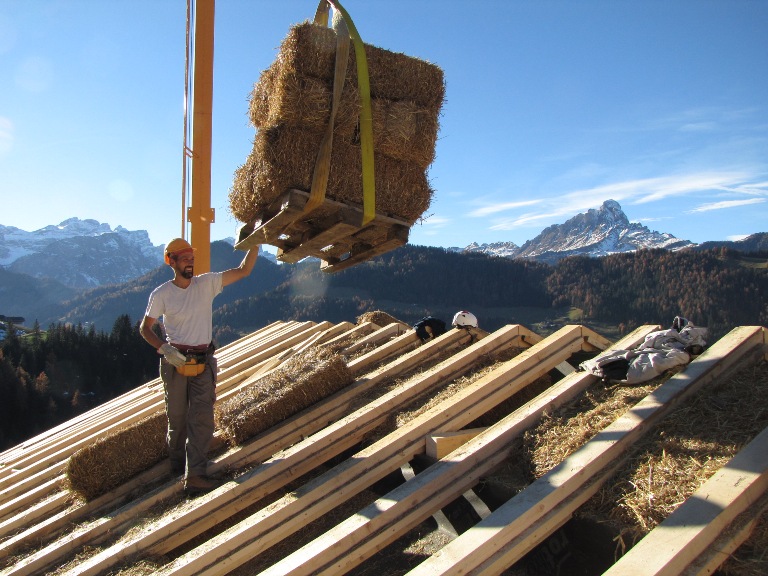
(212,508)
(282,518)
(259,449)
(377,336)
(443,443)
(402,509)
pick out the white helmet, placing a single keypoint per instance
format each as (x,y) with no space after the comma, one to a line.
(464,319)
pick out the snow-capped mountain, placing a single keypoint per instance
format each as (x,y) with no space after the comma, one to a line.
(502,249)
(79,253)
(600,232)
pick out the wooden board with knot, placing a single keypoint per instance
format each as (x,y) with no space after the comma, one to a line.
(332,232)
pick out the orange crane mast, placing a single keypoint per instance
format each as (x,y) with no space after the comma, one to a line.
(200,214)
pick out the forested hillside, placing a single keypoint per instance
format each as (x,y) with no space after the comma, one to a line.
(47,377)
(714,288)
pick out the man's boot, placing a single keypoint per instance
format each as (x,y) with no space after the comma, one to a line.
(198,484)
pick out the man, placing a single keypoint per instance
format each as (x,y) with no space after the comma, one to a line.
(429,327)
(188,368)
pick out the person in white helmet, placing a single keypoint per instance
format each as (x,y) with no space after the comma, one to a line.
(464,319)
(188,367)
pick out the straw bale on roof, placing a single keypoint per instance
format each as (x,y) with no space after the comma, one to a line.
(378,317)
(670,462)
(291,105)
(118,457)
(302,381)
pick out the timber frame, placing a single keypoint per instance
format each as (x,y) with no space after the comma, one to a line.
(42,528)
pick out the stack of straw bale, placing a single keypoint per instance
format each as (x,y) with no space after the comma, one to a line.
(114,459)
(290,106)
(302,381)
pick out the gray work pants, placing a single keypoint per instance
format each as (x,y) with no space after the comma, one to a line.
(189,407)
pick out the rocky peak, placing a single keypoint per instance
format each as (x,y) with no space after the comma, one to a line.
(597,232)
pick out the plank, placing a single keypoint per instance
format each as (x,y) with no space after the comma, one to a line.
(498,541)
(406,341)
(356,331)
(729,541)
(693,527)
(384,333)
(276,218)
(360,536)
(212,508)
(43,508)
(279,520)
(397,236)
(440,444)
(291,431)
(341,225)
(443,522)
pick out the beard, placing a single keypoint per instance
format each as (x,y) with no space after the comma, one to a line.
(188,272)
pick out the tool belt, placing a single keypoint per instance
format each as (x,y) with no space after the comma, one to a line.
(196,360)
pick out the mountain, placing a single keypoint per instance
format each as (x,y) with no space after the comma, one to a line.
(600,232)
(501,249)
(79,253)
(752,243)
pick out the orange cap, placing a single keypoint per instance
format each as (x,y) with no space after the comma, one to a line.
(175,247)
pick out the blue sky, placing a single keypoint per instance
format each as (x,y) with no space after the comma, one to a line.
(552,107)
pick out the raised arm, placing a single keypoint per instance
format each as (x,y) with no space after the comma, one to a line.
(245,268)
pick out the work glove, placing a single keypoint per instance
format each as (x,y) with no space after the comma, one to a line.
(172,355)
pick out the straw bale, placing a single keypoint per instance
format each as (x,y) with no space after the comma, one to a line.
(282,97)
(378,317)
(284,157)
(116,458)
(302,381)
(310,50)
(560,434)
(401,128)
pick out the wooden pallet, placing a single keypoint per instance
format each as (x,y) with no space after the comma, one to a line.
(332,232)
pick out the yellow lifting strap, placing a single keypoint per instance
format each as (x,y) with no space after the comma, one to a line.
(345,30)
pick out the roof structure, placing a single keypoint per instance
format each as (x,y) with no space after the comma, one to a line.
(316,494)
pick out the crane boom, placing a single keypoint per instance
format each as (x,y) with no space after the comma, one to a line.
(200,215)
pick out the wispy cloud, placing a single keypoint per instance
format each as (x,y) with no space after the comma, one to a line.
(501,207)
(698,127)
(725,204)
(635,192)
(528,219)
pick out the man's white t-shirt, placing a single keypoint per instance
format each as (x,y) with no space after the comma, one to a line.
(187,312)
